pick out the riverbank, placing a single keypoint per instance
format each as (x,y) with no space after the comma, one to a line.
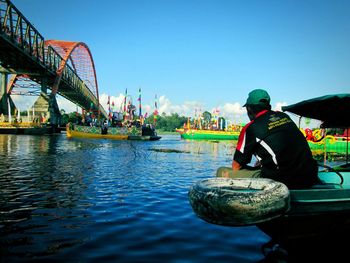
(27,128)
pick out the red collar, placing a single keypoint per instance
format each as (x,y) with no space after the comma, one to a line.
(260,113)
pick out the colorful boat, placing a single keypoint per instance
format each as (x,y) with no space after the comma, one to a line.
(194,134)
(144,133)
(331,144)
(320,143)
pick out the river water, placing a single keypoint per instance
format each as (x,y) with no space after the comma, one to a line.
(112,201)
(77,200)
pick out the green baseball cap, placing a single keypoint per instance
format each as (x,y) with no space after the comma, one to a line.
(257,96)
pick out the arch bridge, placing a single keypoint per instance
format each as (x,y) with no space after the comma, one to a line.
(61,67)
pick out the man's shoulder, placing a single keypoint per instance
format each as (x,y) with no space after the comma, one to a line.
(272,116)
(281,113)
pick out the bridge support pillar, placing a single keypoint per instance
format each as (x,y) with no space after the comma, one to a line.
(54,112)
(3,94)
(7,107)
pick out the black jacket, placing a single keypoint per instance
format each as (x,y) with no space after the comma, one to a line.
(281,148)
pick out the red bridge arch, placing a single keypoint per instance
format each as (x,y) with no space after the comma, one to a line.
(78,56)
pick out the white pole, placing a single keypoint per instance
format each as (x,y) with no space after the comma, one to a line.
(28,116)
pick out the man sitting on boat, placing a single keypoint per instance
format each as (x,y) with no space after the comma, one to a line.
(277,143)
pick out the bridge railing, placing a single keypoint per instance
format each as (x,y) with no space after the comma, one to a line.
(54,60)
(75,81)
(20,31)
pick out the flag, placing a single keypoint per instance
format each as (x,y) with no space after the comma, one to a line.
(109,108)
(155,113)
(140,107)
(155,102)
(126,94)
(139,99)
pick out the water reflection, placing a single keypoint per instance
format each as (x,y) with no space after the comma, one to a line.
(40,185)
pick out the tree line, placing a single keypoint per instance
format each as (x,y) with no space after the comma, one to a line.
(162,122)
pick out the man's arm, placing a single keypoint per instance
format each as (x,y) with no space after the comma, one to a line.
(236,166)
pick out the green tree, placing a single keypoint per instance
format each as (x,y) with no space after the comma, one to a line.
(73,117)
(64,119)
(167,123)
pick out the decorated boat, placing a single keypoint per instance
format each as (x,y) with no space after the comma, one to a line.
(209,126)
(330,144)
(146,132)
(197,134)
(284,214)
(319,142)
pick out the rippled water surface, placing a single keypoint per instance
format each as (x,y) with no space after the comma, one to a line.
(113,201)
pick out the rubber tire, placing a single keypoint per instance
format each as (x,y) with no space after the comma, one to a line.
(240,201)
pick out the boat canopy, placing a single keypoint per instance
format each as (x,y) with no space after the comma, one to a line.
(332,110)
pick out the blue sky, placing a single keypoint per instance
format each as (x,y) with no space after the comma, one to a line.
(206,54)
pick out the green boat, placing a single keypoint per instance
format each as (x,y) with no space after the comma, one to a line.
(330,144)
(194,134)
(334,112)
